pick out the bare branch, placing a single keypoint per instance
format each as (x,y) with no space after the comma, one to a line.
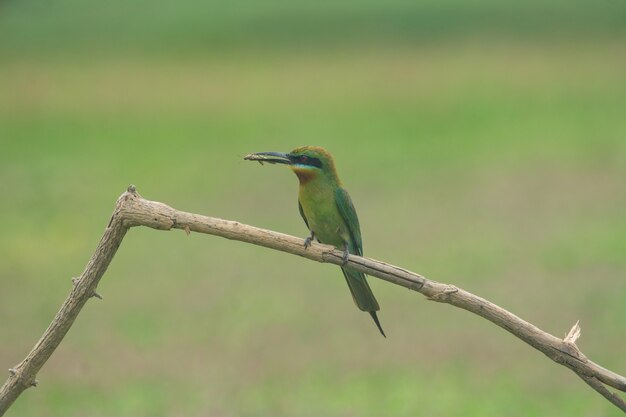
(594,383)
(132,210)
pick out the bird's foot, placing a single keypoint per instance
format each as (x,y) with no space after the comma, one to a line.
(345,256)
(309,240)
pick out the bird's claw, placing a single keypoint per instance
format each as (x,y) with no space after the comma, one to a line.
(345,256)
(309,240)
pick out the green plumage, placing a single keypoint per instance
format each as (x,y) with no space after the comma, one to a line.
(336,223)
(328,212)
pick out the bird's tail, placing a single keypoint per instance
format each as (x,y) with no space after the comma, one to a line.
(375,317)
(362,294)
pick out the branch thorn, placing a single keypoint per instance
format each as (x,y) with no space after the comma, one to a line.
(573,334)
(98,296)
(12,371)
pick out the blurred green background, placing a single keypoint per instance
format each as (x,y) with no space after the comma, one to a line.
(483,143)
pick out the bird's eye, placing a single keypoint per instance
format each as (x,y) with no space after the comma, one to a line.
(304,158)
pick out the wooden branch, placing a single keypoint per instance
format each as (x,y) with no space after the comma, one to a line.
(133,210)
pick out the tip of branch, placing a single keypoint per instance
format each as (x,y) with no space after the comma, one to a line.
(574,334)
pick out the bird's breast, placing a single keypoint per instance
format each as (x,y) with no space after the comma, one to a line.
(320,209)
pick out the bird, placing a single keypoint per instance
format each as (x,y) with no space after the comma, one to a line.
(328,212)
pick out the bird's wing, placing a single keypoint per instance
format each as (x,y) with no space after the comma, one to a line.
(303,216)
(347,211)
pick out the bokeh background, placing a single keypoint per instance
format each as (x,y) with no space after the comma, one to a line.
(483,143)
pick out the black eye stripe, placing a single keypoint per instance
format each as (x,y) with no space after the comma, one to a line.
(313,162)
(307,160)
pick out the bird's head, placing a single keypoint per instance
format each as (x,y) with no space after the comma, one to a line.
(308,162)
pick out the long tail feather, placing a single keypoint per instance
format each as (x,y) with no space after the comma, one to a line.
(375,317)
(362,294)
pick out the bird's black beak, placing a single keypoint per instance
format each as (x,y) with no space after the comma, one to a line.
(271,157)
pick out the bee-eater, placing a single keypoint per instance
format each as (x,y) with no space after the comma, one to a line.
(328,212)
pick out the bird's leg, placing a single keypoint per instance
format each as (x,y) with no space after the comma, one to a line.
(345,253)
(309,239)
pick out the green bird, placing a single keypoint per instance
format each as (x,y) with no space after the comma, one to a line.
(328,212)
